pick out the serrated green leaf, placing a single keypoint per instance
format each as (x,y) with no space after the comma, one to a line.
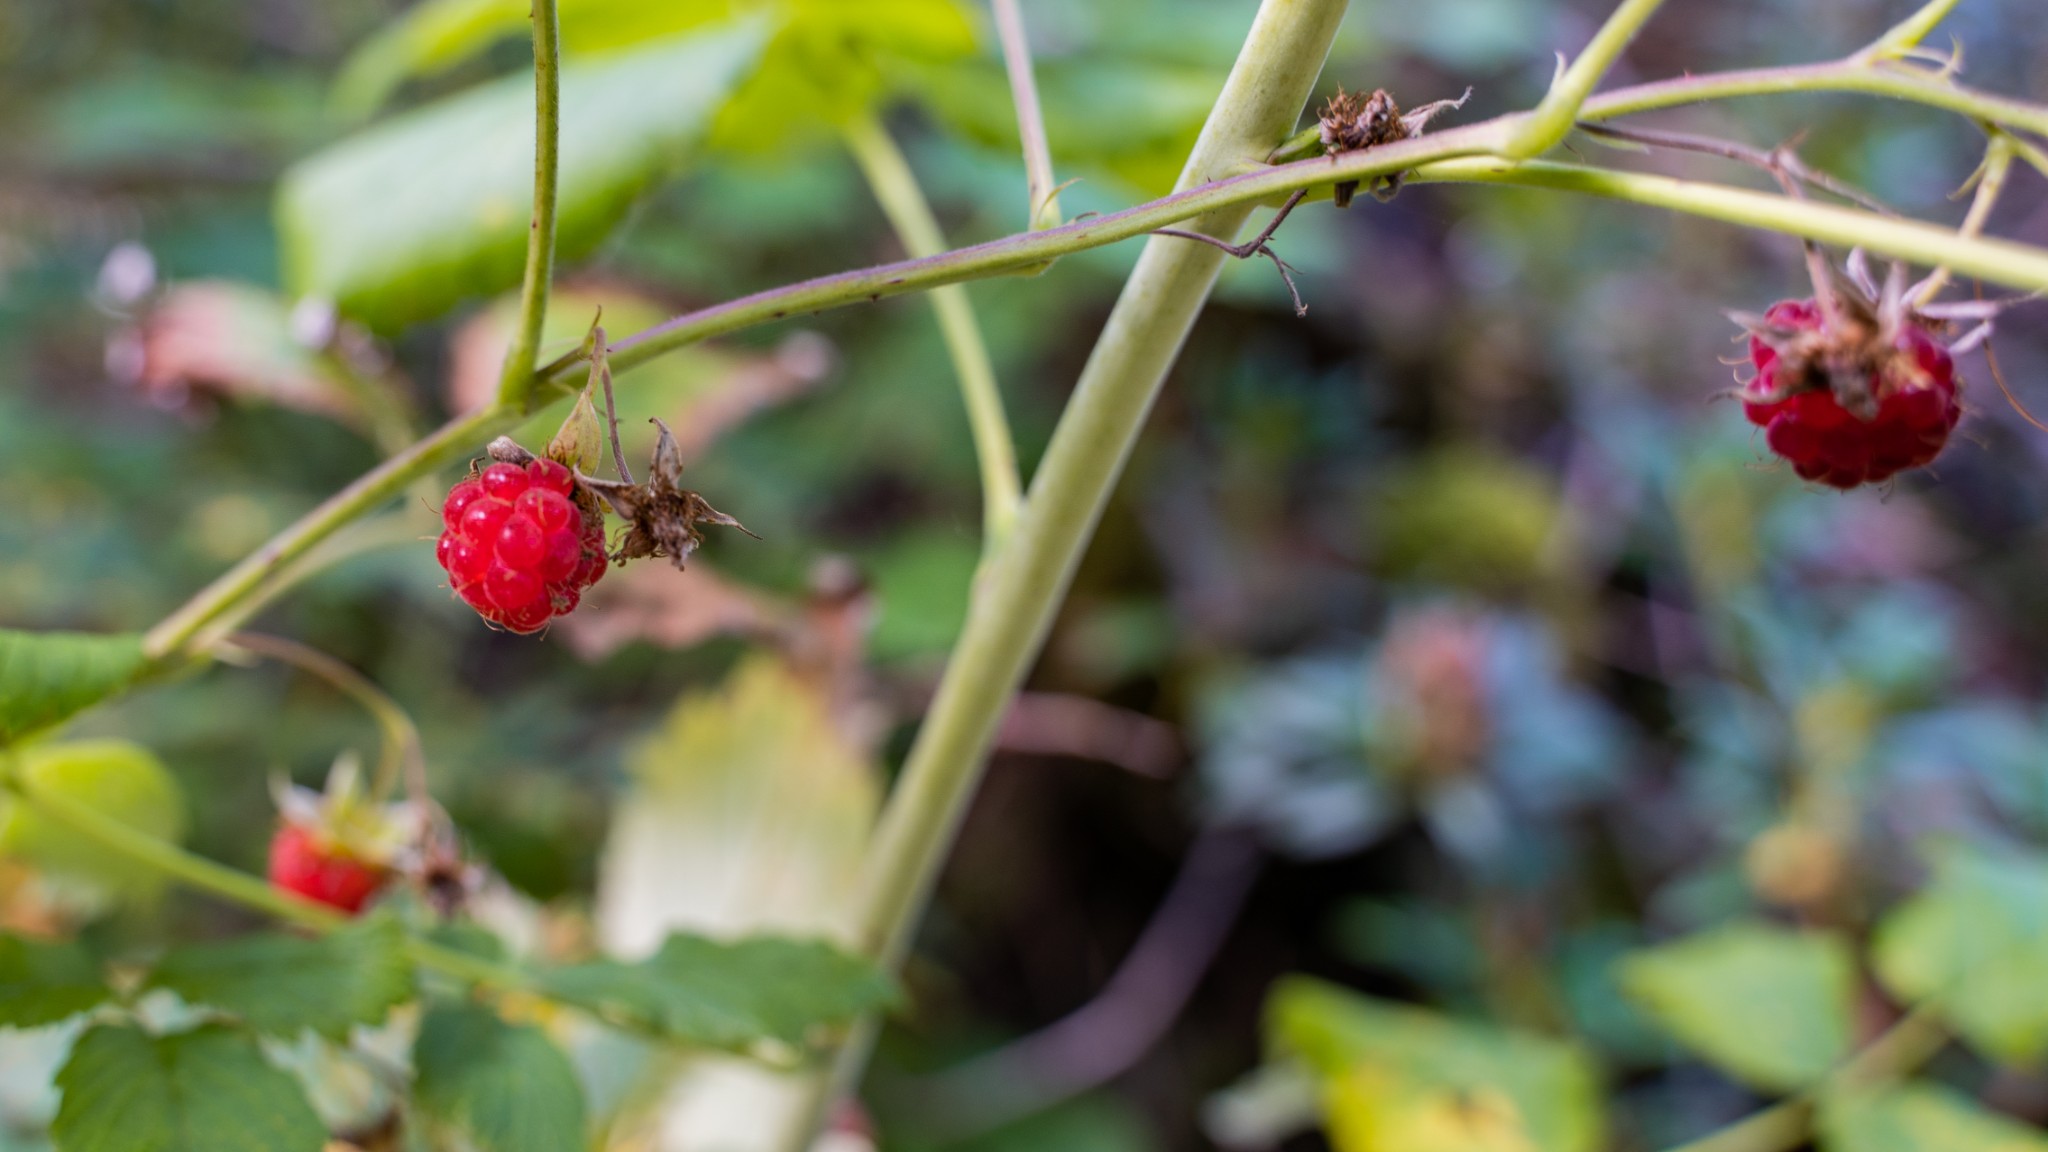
(207,1090)
(281,985)
(42,983)
(407,218)
(46,677)
(1919,1118)
(1770,1006)
(730,996)
(1390,1072)
(1976,941)
(496,1086)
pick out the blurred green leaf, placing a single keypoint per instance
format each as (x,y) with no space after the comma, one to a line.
(42,983)
(1771,1006)
(749,810)
(1394,1076)
(1466,518)
(490,1086)
(730,995)
(207,1090)
(1918,1118)
(46,677)
(405,219)
(1976,942)
(281,985)
(123,782)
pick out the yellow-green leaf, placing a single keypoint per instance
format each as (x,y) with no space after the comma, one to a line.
(1976,942)
(1919,1118)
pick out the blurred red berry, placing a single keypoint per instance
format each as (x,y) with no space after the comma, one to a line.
(304,862)
(517,546)
(1852,407)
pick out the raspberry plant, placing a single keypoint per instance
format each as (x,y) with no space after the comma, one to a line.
(1850,388)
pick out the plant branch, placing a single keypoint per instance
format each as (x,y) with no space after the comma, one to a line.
(895,186)
(373,488)
(1546,127)
(1007,624)
(516,386)
(1038,180)
(1990,178)
(2014,265)
(2018,265)
(402,753)
(1908,33)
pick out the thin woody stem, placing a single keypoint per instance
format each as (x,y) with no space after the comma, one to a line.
(1256,246)
(601,367)
(403,755)
(1990,177)
(1038,177)
(516,384)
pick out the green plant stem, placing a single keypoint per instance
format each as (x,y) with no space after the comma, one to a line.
(445,444)
(903,202)
(1044,211)
(1006,627)
(1991,176)
(240,887)
(2013,265)
(2004,261)
(1551,121)
(1908,33)
(1907,1044)
(516,385)
(401,738)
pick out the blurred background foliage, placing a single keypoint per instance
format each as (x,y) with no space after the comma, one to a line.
(1460,736)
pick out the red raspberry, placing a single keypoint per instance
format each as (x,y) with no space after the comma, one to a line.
(1912,401)
(304,862)
(516,545)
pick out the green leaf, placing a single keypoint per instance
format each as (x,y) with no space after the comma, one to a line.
(207,1090)
(1770,1006)
(1918,1118)
(45,677)
(1976,942)
(495,1086)
(1393,1074)
(281,985)
(42,983)
(123,782)
(731,996)
(406,219)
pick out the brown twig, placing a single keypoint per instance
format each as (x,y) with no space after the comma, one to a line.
(1256,246)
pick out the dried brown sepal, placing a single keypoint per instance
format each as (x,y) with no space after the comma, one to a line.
(1351,122)
(661,516)
(506,450)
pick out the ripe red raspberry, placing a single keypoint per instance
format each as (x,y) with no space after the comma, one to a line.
(1854,407)
(317,867)
(516,545)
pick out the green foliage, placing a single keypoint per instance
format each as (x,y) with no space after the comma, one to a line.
(1394,1076)
(1468,519)
(1769,1005)
(1976,942)
(281,985)
(207,1090)
(407,218)
(493,1086)
(729,995)
(42,983)
(1918,1118)
(121,781)
(46,677)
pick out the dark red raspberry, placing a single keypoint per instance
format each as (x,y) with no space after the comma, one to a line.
(517,546)
(1849,409)
(304,862)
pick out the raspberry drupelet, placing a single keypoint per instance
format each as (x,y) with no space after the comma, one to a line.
(517,546)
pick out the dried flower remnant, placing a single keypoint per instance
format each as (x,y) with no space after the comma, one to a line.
(1352,122)
(661,515)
